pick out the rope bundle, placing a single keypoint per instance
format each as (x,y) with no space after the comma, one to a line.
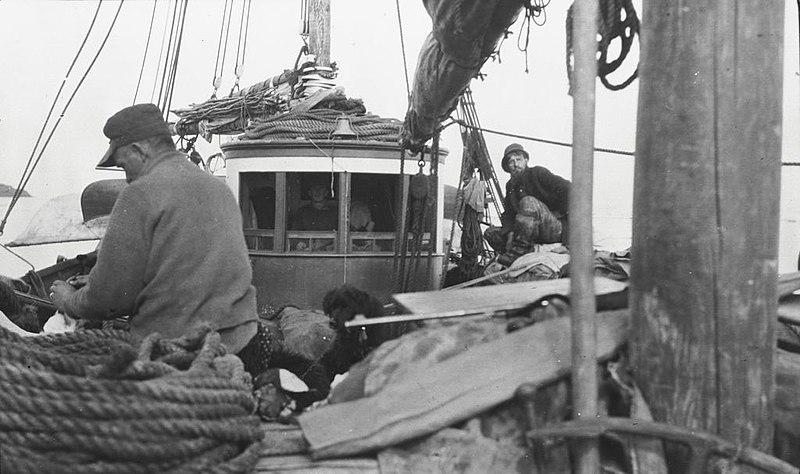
(320,124)
(88,401)
(618,20)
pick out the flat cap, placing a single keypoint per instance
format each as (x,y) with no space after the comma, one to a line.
(130,125)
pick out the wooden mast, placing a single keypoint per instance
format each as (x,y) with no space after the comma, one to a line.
(319,30)
(705,216)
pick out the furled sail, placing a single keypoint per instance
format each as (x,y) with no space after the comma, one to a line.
(465,33)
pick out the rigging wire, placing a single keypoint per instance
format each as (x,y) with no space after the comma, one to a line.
(176,57)
(31,166)
(244,27)
(168,55)
(403,50)
(18,190)
(156,84)
(534,139)
(146,49)
(222,45)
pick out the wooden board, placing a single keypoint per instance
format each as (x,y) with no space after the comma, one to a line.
(489,297)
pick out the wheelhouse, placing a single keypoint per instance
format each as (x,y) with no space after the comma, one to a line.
(317,215)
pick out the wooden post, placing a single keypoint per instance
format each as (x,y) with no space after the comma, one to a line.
(705,215)
(319,26)
(584,344)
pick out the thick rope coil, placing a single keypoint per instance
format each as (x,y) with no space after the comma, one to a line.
(618,20)
(170,405)
(320,124)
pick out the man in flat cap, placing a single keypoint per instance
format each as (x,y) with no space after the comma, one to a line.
(174,255)
(535,208)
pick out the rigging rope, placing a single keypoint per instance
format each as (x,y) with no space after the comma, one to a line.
(168,56)
(225,26)
(403,49)
(89,401)
(146,49)
(241,44)
(31,164)
(618,19)
(534,139)
(534,13)
(174,70)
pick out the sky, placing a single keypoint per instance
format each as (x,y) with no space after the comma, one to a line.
(40,38)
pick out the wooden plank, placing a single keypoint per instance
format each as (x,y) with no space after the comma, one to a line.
(283,440)
(429,398)
(705,215)
(304,464)
(489,297)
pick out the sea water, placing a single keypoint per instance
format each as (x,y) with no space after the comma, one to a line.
(611,221)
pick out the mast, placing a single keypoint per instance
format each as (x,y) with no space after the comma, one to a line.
(318,18)
(705,216)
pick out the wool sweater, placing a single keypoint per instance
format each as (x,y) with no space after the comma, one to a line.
(541,183)
(173,257)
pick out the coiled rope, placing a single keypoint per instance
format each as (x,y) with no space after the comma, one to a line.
(88,401)
(320,124)
(618,19)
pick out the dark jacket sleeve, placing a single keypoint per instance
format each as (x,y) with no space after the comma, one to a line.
(551,189)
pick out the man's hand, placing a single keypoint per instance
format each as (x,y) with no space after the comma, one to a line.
(59,292)
(509,240)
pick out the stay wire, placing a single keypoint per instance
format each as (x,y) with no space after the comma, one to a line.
(168,56)
(241,44)
(156,84)
(31,165)
(146,50)
(177,55)
(403,49)
(534,139)
(222,46)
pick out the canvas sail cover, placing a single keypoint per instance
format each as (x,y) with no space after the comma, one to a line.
(61,220)
(465,33)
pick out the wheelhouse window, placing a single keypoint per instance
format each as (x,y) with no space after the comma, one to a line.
(308,212)
(258,203)
(313,208)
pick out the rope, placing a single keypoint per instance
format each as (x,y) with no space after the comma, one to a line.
(176,56)
(403,50)
(89,401)
(244,25)
(146,49)
(319,124)
(227,12)
(168,56)
(534,139)
(534,13)
(18,190)
(30,167)
(611,27)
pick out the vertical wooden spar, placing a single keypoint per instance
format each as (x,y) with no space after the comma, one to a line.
(319,25)
(584,350)
(705,215)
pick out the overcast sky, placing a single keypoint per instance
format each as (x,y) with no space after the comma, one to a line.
(39,39)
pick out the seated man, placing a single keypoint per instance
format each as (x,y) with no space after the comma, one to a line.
(316,215)
(536,207)
(174,256)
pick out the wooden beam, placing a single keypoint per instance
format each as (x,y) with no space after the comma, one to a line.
(705,215)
